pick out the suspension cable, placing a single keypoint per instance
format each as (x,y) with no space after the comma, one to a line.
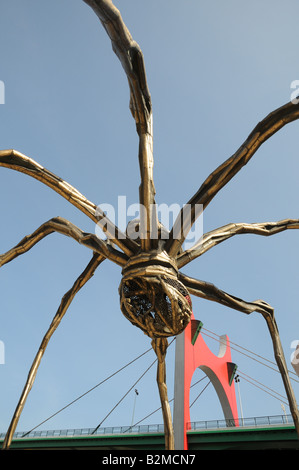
(200,394)
(246,378)
(97,427)
(147,351)
(251,352)
(155,411)
(88,391)
(142,375)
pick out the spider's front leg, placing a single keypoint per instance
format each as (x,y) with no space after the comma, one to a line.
(210,292)
(222,234)
(160,346)
(228,169)
(15,160)
(132,61)
(64,305)
(101,249)
(64,227)
(153,299)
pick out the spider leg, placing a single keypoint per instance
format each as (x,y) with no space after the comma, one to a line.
(64,305)
(221,234)
(131,58)
(64,227)
(17,161)
(227,170)
(210,292)
(160,347)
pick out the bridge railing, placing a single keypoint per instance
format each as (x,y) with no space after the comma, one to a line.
(278,420)
(143,429)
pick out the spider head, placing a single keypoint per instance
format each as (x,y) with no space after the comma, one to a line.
(152,297)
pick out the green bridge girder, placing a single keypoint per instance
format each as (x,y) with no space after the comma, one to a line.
(264,438)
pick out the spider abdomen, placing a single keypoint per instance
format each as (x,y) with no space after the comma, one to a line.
(152,298)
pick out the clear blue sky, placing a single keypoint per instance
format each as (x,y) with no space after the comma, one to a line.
(214,69)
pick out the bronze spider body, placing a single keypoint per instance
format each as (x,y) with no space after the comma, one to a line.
(154,293)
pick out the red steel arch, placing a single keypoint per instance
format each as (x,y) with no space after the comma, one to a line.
(192,353)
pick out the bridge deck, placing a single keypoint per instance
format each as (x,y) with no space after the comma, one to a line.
(276,432)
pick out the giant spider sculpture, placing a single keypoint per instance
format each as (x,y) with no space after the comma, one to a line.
(154,293)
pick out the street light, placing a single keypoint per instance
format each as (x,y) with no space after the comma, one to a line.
(136,393)
(237,380)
